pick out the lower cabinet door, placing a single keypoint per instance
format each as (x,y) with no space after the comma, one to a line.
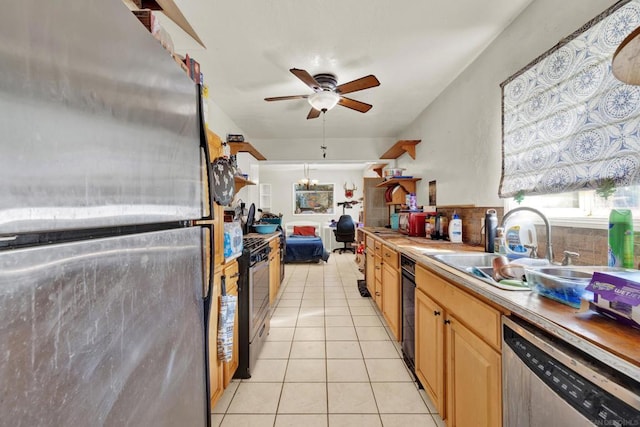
(429,350)
(231,281)
(474,396)
(216,386)
(392,300)
(370,272)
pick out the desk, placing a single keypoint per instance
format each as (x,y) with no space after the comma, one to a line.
(328,238)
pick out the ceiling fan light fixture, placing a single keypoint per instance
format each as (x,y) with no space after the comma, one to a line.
(324,100)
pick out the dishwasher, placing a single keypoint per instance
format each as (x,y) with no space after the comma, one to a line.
(547,382)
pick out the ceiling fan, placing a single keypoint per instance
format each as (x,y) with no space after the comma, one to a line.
(327,92)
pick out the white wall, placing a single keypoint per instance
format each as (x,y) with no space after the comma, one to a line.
(282,191)
(461,130)
(250,166)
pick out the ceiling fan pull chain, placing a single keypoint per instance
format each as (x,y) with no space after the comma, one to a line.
(324,144)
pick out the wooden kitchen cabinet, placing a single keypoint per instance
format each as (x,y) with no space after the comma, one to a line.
(216,374)
(458,348)
(391,291)
(231,274)
(215,150)
(377,274)
(474,384)
(429,348)
(220,373)
(369,266)
(274,270)
(370,272)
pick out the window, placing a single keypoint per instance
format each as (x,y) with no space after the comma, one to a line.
(583,208)
(568,124)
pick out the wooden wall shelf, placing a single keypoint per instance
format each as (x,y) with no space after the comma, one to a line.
(399,148)
(377,168)
(240,182)
(170,9)
(245,147)
(407,184)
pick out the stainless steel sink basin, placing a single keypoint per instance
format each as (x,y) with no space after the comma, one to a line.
(476,264)
(569,272)
(465,260)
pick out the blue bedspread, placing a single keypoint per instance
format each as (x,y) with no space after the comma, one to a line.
(305,248)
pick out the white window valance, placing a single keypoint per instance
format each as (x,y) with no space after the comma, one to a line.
(567,123)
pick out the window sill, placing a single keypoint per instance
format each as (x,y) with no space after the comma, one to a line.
(585,222)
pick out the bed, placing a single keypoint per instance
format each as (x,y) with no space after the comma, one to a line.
(305,245)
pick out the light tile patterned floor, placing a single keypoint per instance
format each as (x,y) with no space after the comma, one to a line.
(329,361)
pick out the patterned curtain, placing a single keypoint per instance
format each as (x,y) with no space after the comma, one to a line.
(567,123)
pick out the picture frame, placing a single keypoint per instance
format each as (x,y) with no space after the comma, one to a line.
(312,199)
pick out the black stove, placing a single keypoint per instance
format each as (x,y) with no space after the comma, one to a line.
(253,302)
(257,248)
(253,243)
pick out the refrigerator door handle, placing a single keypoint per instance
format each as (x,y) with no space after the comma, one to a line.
(208,262)
(204,145)
(203,222)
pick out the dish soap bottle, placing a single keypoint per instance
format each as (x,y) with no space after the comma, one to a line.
(620,238)
(455,229)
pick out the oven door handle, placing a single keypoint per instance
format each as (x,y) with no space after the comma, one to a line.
(260,264)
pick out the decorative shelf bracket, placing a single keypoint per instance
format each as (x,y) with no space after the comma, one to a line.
(399,148)
(377,168)
(245,147)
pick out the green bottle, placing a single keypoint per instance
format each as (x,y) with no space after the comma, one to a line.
(620,238)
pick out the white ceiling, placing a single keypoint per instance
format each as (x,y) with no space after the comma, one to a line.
(414,47)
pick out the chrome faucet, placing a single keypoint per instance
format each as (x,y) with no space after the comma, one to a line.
(549,251)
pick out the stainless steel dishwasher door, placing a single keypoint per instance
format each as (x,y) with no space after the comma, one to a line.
(547,384)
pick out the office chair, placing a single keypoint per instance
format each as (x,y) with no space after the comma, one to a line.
(345,232)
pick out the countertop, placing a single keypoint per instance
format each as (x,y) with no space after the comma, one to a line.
(616,344)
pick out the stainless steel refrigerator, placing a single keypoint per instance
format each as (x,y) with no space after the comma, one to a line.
(103,294)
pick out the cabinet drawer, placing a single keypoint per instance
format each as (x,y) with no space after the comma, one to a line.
(482,319)
(231,273)
(389,257)
(378,248)
(371,243)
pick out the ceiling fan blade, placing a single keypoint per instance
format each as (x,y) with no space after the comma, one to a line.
(354,105)
(358,84)
(283,98)
(306,78)
(313,114)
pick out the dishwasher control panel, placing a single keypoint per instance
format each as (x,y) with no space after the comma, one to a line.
(593,402)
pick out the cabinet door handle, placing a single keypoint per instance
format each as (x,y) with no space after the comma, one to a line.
(377,293)
(387,255)
(237,274)
(446,322)
(436,313)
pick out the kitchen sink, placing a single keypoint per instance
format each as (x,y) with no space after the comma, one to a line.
(562,283)
(465,260)
(477,264)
